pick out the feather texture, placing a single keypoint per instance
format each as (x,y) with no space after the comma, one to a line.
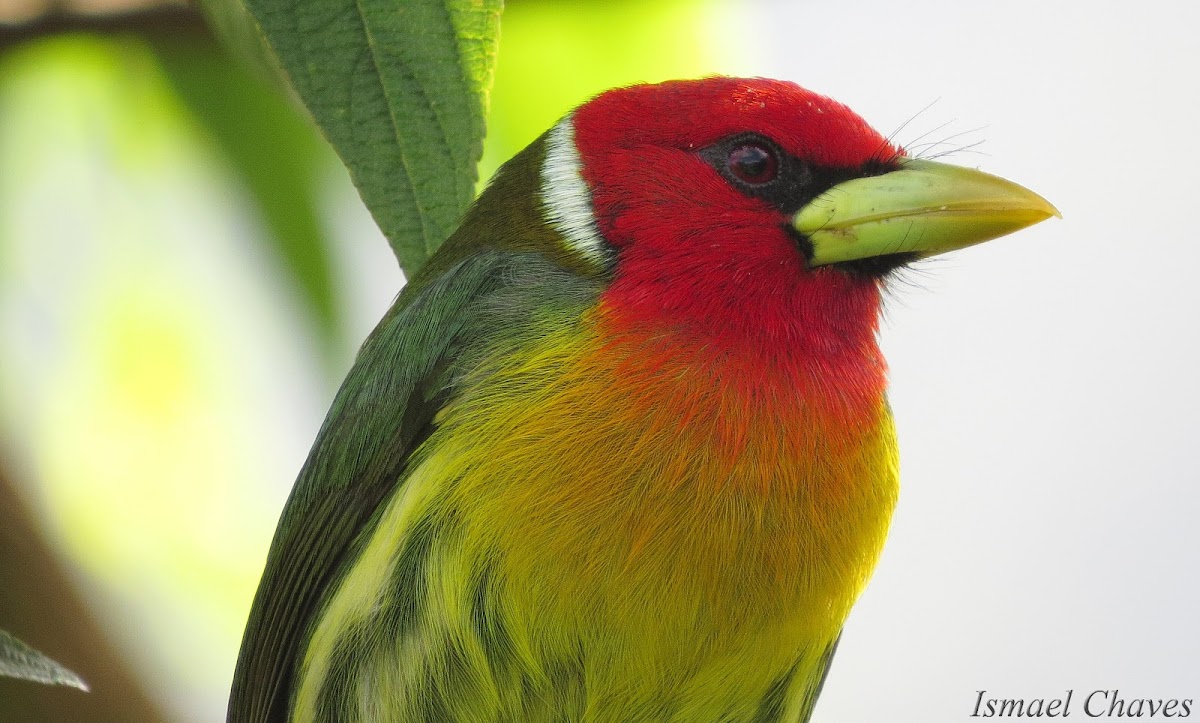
(689,554)
(634,476)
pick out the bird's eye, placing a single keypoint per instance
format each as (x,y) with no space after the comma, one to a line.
(753,163)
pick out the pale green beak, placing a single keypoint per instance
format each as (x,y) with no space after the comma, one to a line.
(922,208)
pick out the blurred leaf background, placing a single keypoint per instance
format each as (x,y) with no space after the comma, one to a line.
(185,274)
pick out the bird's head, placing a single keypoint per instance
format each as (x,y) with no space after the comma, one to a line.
(752,205)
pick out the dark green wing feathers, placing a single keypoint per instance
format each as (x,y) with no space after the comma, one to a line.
(479,292)
(384,409)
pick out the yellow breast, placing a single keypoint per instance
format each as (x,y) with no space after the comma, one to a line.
(608,532)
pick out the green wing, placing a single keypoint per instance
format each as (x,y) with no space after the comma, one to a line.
(775,703)
(483,288)
(810,697)
(383,411)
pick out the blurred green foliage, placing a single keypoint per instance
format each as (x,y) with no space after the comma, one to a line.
(275,153)
(175,302)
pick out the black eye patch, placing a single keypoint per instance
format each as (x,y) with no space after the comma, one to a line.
(758,167)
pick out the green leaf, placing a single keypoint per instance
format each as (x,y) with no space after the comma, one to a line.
(399,88)
(18,660)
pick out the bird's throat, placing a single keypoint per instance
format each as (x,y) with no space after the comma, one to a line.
(772,336)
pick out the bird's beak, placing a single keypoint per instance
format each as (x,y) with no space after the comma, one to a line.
(922,208)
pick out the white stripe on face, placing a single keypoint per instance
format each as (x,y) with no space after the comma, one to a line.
(566,199)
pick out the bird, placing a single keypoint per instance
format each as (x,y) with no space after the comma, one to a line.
(621,450)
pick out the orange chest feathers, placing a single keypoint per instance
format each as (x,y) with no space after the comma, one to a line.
(649,488)
(618,527)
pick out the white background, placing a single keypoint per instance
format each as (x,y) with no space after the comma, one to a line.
(1044,385)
